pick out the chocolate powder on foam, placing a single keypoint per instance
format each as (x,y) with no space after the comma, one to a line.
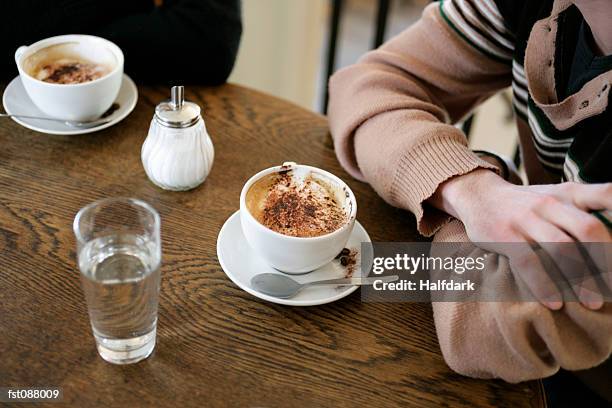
(301,210)
(71,72)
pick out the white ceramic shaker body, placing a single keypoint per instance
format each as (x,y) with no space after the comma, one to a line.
(178,152)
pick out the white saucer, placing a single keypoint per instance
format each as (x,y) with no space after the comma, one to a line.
(240,263)
(16,101)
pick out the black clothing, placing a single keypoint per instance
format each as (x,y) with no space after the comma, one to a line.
(187,41)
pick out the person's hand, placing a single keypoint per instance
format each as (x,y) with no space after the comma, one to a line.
(553,216)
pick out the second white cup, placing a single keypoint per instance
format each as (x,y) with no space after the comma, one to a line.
(296,255)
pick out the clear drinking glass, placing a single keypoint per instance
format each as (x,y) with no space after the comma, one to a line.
(119,256)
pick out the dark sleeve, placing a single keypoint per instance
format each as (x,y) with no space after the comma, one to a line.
(518,13)
(520,16)
(26,21)
(511,11)
(187,41)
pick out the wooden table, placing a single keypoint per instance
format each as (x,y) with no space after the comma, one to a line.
(217,345)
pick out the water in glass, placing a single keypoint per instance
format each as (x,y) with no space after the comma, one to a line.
(121,277)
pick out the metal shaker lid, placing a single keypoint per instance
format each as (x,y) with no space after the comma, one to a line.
(177,112)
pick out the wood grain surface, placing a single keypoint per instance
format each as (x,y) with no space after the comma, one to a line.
(217,345)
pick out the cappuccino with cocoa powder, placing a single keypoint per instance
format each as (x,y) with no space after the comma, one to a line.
(297,203)
(68,63)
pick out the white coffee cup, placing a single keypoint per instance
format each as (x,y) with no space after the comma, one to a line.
(295,255)
(81,101)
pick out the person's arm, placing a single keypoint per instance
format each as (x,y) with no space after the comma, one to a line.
(391,114)
(187,41)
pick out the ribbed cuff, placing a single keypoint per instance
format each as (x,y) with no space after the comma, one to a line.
(423,169)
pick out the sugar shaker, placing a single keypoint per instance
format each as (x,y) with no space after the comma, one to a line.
(178,152)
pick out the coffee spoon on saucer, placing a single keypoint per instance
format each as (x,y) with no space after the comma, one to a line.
(284,287)
(71,123)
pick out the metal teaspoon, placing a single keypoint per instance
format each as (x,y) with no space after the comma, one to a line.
(284,287)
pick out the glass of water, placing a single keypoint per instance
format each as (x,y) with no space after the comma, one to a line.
(119,256)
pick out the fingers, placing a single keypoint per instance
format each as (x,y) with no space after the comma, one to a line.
(599,261)
(527,267)
(590,196)
(562,256)
(589,293)
(582,226)
(580,277)
(601,254)
(581,270)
